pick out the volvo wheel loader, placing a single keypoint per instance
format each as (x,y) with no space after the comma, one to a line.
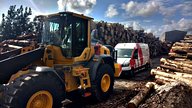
(65,61)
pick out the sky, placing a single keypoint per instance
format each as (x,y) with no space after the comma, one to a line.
(155,16)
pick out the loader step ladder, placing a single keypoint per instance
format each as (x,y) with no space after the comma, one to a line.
(83,74)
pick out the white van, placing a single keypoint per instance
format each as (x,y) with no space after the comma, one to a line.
(132,56)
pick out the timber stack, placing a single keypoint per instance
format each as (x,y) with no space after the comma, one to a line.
(18,42)
(113,33)
(174,72)
(178,67)
(107,33)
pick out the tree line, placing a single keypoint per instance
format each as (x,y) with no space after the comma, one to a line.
(17,22)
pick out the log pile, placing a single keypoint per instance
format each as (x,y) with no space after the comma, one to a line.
(175,69)
(107,33)
(178,66)
(113,33)
(18,42)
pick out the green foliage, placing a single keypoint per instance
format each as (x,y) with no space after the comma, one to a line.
(17,22)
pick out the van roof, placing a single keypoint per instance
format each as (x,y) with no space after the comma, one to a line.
(129,45)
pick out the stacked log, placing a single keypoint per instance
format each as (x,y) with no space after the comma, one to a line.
(113,33)
(174,70)
(107,33)
(179,64)
(18,42)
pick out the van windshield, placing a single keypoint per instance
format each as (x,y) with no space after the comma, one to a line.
(124,53)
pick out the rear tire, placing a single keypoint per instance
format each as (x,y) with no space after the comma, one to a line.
(22,90)
(104,82)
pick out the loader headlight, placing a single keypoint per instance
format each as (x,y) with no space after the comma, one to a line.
(38,69)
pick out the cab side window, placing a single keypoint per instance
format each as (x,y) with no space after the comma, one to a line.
(79,36)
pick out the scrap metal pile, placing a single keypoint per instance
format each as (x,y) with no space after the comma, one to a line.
(113,33)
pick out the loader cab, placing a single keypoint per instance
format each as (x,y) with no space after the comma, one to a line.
(67,30)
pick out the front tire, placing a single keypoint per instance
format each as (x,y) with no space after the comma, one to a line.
(42,90)
(104,82)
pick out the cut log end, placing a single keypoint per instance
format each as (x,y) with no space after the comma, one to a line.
(131,105)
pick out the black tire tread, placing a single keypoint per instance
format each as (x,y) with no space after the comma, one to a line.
(13,91)
(98,95)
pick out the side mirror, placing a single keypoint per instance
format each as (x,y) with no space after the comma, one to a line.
(114,54)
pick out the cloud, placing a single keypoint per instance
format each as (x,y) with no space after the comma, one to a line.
(183,25)
(111,11)
(78,6)
(140,9)
(134,24)
(164,7)
(183,8)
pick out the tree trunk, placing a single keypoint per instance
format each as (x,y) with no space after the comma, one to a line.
(164,79)
(181,49)
(177,69)
(186,41)
(185,75)
(184,61)
(133,103)
(175,63)
(173,76)
(175,55)
(182,44)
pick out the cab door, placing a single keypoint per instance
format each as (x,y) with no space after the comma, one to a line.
(80,38)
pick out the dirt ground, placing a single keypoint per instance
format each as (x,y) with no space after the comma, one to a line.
(173,95)
(124,90)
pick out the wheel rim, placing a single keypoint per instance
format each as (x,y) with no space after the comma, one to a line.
(41,99)
(105,82)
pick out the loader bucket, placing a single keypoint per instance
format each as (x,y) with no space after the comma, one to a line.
(13,64)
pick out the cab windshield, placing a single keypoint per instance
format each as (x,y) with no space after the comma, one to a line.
(124,53)
(57,32)
(67,32)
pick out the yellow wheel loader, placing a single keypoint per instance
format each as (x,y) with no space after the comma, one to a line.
(65,61)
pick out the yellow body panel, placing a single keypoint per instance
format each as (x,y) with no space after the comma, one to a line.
(55,57)
(83,74)
(85,56)
(104,50)
(118,69)
(71,82)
